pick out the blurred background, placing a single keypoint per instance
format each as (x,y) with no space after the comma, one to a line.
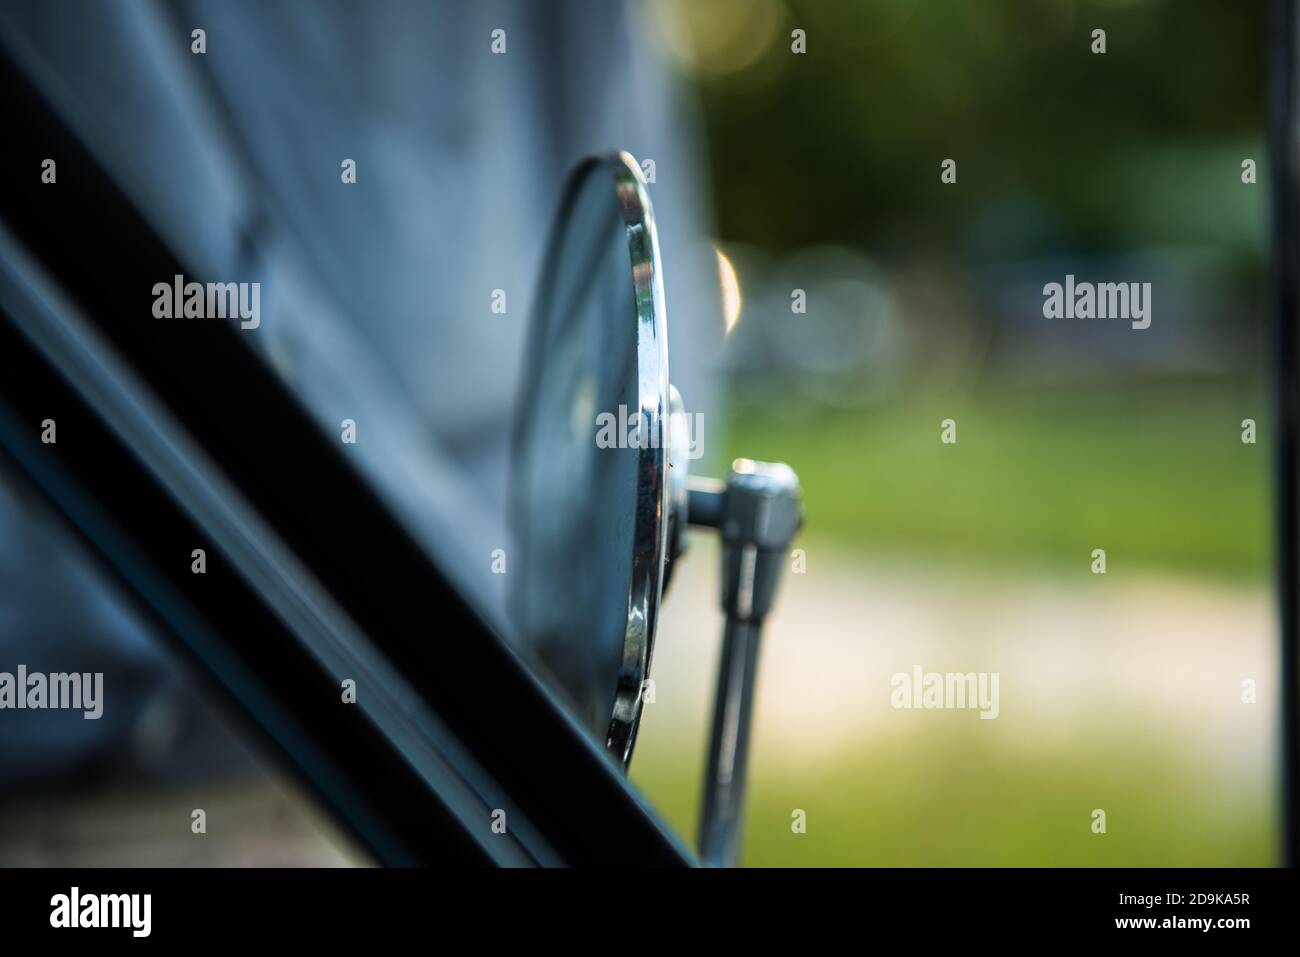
(774,171)
(1120,691)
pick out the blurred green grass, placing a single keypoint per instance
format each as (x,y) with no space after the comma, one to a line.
(955,799)
(1155,473)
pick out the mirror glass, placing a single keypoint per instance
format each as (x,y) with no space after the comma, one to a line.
(587,489)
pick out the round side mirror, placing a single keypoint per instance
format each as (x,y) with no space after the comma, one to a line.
(590,489)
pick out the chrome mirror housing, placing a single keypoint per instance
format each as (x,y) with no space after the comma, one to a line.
(601,493)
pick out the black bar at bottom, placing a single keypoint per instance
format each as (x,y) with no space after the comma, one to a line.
(909,909)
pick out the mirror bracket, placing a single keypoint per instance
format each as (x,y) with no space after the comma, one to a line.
(757,511)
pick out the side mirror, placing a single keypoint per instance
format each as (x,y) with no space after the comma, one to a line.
(601,496)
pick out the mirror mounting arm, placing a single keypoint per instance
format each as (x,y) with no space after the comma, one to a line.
(758,510)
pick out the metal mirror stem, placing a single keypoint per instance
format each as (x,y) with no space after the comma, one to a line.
(757,512)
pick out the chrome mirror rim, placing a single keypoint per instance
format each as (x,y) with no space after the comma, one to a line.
(650,535)
(641,510)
